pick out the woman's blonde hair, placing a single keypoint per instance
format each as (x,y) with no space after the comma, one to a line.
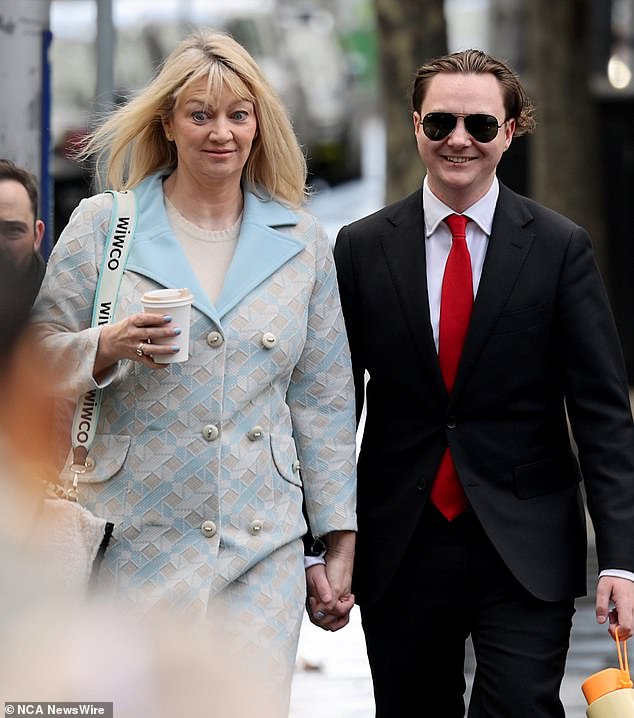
(131,143)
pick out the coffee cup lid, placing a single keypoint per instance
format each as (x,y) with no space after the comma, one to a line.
(160,296)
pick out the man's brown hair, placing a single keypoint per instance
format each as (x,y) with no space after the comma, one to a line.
(10,171)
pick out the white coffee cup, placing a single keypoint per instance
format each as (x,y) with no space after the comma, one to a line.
(177,303)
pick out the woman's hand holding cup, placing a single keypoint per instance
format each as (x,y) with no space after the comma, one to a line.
(137,337)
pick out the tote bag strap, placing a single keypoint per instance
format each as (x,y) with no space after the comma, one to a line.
(120,233)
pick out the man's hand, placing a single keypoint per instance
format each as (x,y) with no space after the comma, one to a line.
(619,591)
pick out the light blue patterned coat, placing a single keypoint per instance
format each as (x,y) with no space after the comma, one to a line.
(197,465)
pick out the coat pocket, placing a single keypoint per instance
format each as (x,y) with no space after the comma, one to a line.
(284,454)
(107,455)
(520,320)
(545,477)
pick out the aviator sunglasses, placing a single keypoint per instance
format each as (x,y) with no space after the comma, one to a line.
(438,125)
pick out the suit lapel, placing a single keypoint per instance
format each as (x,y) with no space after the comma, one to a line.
(403,243)
(508,248)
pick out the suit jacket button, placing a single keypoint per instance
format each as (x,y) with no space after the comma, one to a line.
(255,433)
(421,485)
(215,339)
(208,529)
(210,432)
(256,526)
(296,466)
(451,422)
(269,340)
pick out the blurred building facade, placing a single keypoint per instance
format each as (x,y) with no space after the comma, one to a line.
(613,88)
(26,100)
(327,89)
(500,27)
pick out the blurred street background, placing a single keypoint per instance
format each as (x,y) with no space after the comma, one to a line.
(336,64)
(343,68)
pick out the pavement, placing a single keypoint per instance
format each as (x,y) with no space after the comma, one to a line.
(333,677)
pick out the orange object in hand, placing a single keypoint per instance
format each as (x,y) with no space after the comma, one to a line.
(609,692)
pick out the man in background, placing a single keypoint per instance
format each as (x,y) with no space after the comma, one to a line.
(21,264)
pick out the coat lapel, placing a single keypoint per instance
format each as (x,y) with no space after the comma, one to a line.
(261,249)
(508,248)
(403,243)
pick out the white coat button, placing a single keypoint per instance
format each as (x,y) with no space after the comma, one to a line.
(210,432)
(256,526)
(215,339)
(296,466)
(208,529)
(269,340)
(255,433)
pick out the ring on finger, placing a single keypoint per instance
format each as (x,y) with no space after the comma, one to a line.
(139,350)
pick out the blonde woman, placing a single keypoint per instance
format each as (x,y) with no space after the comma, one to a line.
(203,465)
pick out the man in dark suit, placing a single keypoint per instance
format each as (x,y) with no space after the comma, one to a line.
(471,518)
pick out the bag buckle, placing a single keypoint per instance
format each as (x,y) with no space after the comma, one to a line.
(72,491)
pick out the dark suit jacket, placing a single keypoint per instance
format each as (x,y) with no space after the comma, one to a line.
(541,339)
(19,286)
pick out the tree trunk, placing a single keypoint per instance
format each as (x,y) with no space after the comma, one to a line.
(411,32)
(565,162)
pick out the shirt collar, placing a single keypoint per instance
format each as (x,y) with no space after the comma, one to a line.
(481,212)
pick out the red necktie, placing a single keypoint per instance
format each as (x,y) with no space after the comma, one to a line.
(456,303)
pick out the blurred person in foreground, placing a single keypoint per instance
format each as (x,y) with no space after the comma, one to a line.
(198,463)
(21,264)
(471,519)
(24,412)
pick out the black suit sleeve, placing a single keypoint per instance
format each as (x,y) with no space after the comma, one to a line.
(597,400)
(350,306)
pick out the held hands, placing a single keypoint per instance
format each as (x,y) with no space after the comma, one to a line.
(132,338)
(330,599)
(619,591)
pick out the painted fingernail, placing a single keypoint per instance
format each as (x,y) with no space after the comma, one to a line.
(175,348)
(320,614)
(167,317)
(177,331)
